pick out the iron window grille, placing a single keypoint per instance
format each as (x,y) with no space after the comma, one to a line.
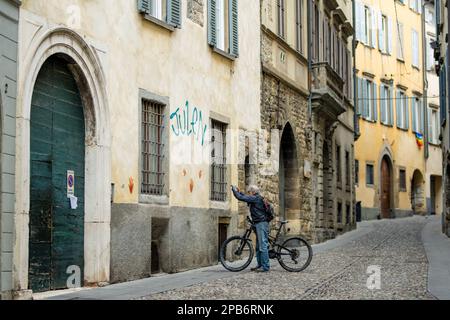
(218,161)
(153,175)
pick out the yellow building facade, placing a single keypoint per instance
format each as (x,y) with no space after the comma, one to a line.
(390,158)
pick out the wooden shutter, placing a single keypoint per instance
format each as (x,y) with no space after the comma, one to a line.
(374,102)
(398,104)
(431,126)
(380,32)
(421,117)
(389,31)
(414,115)
(364,98)
(391,106)
(174,13)
(383,104)
(145,6)
(234,27)
(406,106)
(358,99)
(212,23)
(359,21)
(373,38)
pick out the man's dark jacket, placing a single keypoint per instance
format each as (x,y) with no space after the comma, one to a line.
(256,204)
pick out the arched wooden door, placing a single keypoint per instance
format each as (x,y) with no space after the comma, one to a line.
(386,189)
(56,242)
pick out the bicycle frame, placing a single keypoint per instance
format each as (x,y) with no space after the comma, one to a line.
(273,241)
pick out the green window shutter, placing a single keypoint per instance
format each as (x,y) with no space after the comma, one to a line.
(391,106)
(359,101)
(145,6)
(398,103)
(422,117)
(375,102)
(212,24)
(234,26)
(364,98)
(406,101)
(414,114)
(383,103)
(174,13)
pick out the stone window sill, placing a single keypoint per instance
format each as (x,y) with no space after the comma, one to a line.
(156,200)
(160,23)
(223,53)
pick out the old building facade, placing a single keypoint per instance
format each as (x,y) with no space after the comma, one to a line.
(443,70)
(390,154)
(433,151)
(284,110)
(332,117)
(9,29)
(126,131)
(314,119)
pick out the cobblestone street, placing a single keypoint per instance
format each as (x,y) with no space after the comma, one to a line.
(341,273)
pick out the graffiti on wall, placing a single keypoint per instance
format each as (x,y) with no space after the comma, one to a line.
(185,123)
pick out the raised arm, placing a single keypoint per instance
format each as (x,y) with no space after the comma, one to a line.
(243,197)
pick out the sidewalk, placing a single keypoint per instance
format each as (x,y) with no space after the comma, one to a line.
(158,284)
(437,247)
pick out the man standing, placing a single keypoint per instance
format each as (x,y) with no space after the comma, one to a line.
(259,217)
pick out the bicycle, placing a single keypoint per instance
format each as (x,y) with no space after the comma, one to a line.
(237,252)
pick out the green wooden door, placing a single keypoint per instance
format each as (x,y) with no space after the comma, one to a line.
(57,146)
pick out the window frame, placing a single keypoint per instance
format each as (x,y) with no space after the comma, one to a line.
(402,185)
(163,198)
(370,183)
(225,167)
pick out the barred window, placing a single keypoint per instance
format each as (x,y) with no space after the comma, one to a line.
(218,161)
(152,182)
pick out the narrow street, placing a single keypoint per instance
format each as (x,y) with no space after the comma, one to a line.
(403,249)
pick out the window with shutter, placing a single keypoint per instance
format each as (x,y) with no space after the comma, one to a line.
(415,119)
(223,28)
(299,25)
(374,103)
(373,35)
(167,11)
(400,42)
(406,112)
(281,5)
(390,30)
(383,105)
(415,48)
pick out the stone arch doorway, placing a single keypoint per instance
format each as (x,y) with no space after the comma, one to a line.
(386,188)
(84,65)
(417,193)
(57,149)
(289,176)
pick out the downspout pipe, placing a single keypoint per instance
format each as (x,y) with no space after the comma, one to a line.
(309,10)
(425,82)
(355,87)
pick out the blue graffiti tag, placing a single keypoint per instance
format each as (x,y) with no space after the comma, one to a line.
(187,124)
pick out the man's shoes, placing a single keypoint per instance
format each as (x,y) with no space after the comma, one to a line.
(261,271)
(255,269)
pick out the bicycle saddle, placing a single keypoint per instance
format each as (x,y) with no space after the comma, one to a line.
(284,222)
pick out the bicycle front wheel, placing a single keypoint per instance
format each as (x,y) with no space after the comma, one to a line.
(295,254)
(236,254)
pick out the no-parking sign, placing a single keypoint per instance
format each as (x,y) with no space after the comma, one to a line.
(70,183)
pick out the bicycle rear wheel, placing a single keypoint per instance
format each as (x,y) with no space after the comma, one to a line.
(295,254)
(236,254)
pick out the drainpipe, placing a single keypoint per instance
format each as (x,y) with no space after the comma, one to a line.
(355,87)
(425,83)
(309,42)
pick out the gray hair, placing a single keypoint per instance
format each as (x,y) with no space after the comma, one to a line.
(253,189)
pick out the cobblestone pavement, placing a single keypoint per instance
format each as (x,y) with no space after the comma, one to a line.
(342,273)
